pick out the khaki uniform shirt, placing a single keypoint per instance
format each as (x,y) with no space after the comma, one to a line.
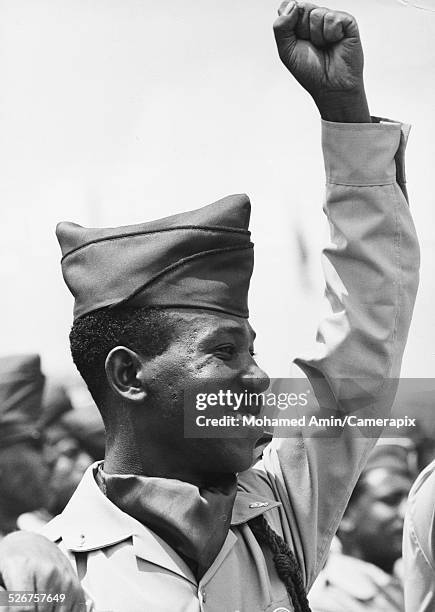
(303,483)
(351,585)
(419,544)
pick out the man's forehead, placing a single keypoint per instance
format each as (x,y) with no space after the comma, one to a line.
(206,323)
(381,478)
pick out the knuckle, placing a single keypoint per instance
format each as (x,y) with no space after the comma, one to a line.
(331,18)
(306,6)
(317,16)
(282,7)
(343,16)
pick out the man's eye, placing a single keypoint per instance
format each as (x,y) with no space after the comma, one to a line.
(226,351)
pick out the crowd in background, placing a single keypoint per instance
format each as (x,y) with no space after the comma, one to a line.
(50,433)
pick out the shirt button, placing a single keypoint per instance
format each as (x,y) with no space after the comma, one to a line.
(81,540)
(203,595)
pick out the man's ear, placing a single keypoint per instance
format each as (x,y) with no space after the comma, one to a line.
(125,374)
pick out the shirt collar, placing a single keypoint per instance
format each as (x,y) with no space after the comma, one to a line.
(91,522)
(249,505)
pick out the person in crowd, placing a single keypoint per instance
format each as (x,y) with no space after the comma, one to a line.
(68,462)
(63,453)
(41,461)
(171,522)
(363,575)
(419,544)
(84,422)
(24,473)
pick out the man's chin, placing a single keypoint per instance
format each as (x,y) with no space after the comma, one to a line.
(242,458)
(223,455)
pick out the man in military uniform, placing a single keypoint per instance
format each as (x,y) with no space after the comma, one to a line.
(364,576)
(165,523)
(23,470)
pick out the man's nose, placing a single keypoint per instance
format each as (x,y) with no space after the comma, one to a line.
(255,379)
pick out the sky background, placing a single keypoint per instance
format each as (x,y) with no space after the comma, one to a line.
(118,112)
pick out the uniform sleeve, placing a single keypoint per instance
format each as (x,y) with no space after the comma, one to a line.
(419,544)
(371,273)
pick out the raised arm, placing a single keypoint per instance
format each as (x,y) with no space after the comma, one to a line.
(371,272)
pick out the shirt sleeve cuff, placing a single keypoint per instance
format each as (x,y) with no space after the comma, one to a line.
(364,154)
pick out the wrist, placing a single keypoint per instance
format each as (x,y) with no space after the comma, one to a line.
(342,107)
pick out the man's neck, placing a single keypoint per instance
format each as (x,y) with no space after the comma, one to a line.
(116,463)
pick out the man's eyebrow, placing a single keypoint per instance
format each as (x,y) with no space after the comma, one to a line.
(234,330)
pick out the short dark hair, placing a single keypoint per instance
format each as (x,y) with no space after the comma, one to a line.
(148,331)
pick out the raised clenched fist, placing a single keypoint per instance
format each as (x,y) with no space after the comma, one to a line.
(322,50)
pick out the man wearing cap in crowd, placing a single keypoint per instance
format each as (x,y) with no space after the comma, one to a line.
(63,450)
(165,523)
(23,470)
(40,461)
(364,575)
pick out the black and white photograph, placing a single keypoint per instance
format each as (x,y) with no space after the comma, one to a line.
(217,255)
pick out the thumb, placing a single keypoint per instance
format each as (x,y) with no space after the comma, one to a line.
(284,27)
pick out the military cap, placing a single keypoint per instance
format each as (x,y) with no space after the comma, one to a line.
(21,387)
(55,403)
(197,259)
(395,454)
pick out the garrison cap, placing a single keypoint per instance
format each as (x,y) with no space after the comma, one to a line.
(198,259)
(395,454)
(21,387)
(55,403)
